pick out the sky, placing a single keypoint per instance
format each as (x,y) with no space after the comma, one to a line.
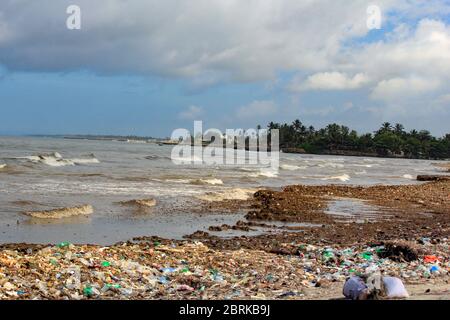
(149,67)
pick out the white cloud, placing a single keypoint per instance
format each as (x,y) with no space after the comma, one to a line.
(209,40)
(403,88)
(214,41)
(330,81)
(412,63)
(424,52)
(257,110)
(192,113)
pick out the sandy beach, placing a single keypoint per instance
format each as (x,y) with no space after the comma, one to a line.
(410,241)
(225,150)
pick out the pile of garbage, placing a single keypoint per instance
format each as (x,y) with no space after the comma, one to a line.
(192,270)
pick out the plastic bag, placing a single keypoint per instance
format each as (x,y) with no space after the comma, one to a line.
(355,289)
(394,288)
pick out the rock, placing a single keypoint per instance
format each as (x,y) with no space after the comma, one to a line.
(433,178)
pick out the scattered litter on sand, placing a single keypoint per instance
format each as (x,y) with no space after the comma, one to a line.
(158,268)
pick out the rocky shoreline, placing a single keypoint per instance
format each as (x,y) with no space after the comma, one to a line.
(411,242)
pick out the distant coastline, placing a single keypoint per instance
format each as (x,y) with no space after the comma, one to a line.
(387,142)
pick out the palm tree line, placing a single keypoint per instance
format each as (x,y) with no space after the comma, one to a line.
(388,141)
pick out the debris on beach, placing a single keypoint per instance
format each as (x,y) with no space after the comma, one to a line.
(374,287)
(399,251)
(192,270)
(62,212)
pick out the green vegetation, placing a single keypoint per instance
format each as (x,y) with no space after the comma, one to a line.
(388,141)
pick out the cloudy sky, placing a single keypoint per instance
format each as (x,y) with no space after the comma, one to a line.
(148,67)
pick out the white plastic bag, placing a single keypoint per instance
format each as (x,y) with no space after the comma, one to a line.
(394,288)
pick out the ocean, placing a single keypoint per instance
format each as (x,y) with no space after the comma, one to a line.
(48,173)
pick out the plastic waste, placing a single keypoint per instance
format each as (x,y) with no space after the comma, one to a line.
(434,269)
(355,289)
(371,269)
(106,264)
(88,291)
(185,287)
(430,259)
(367,255)
(394,288)
(168,270)
(163,280)
(63,244)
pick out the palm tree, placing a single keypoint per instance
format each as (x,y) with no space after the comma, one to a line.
(297,124)
(399,129)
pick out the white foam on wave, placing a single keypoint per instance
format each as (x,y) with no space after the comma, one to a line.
(232,194)
(364,165)
(344,177)
(408,176)
(84,161)
(212,181)
(292,167)
(374,160)
(56,160)
(111,188)
(2,166)
(331,165)
(187,160)
(267,173)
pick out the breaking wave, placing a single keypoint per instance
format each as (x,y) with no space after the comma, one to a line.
(84,161)
(187,159)
(61,213)
(140,202)
(212,181)
(292,167)
(233,194)
(408,176)
(343,178)
(267,173)
(56,160)
(364,165)
(330,165)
